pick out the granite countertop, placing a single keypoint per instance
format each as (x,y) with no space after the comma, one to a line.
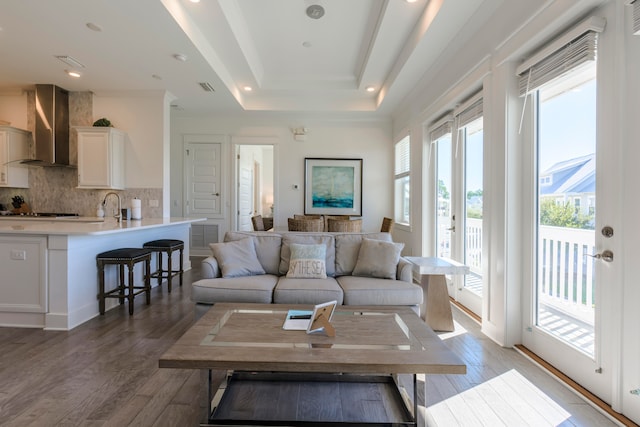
(84,225)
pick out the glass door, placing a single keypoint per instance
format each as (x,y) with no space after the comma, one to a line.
(566,324)
(444,217)
(470,292)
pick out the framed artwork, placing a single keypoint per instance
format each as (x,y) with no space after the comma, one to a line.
(333,186)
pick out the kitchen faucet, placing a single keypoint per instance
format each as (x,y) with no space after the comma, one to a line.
(118,215)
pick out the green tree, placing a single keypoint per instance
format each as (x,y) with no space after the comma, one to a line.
(473,193)
(442,190)
(563,215)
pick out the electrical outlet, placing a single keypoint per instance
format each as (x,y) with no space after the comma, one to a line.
(153,203)
(18,255)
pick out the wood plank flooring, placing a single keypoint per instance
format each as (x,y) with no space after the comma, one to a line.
(105,373)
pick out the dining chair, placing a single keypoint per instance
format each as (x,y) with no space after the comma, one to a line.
(305,224)
(344,225)
(387,225)
(258,223)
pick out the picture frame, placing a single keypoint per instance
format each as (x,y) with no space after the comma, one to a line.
(321,318)
(333,186)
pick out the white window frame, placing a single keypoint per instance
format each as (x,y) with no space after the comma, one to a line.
(402,181)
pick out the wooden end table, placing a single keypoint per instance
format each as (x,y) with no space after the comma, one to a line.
(436,308)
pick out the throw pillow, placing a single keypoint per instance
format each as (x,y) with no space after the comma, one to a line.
(237,258)
(307,262)
(377,258)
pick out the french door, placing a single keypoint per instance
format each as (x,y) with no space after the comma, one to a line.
(459,178)
(571,258)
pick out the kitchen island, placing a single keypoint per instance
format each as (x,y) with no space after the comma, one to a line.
(48,267)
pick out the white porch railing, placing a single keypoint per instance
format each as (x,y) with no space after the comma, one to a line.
(565,272)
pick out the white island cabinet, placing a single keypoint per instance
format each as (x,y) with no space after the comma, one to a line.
(15,144)
(49,276)
(101,158)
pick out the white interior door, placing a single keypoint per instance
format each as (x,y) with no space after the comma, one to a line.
(245,197)
(203,179)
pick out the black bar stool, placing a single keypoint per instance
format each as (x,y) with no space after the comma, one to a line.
(122,257)
(167,246)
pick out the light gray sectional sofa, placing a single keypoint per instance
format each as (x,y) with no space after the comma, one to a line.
(361,269)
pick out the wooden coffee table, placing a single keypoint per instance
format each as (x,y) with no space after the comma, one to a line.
(373,345)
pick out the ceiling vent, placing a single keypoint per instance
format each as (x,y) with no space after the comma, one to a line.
(206,87)
(315,11)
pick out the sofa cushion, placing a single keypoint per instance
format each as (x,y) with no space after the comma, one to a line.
(267,247)
(257,289)
(348,246)
(307,261)
(378,259)
(307,291)
(308,239)
(237,258)
(372,291)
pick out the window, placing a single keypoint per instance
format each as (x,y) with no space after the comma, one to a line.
(402,181)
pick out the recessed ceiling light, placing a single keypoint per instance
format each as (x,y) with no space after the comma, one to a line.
(94,27)
(73,73)
(180,57)
(248,88)
(370,88)
(195,1)
(411,1)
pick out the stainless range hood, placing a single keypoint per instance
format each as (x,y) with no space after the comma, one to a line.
(51,138)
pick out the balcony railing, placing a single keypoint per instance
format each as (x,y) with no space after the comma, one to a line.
(565,271)
(565,277)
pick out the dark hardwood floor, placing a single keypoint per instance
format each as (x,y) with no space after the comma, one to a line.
(105,373)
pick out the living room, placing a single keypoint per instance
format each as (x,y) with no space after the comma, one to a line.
(484,59)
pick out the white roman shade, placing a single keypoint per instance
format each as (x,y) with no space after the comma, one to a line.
(566,53)
(469,111)
(441,127)
(636,17)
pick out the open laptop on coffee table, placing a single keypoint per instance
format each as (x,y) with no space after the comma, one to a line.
(379,346)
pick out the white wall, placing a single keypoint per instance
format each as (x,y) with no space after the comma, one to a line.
(366,139)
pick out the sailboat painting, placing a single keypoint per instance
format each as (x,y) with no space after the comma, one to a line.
(333,186)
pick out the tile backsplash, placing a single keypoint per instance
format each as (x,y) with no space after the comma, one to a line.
(53,189)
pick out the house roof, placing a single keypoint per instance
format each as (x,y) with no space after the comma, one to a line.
(571,176)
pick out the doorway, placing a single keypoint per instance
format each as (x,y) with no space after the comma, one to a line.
(255,181)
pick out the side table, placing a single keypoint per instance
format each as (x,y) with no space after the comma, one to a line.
(436,308)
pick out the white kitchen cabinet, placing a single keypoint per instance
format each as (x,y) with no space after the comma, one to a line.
(24,275)
(15,144)
(101,158)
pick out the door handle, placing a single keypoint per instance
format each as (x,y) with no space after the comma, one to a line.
(606,256)
(215,194)
(452,228)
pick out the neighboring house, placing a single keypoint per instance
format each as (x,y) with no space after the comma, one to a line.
(573,181)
